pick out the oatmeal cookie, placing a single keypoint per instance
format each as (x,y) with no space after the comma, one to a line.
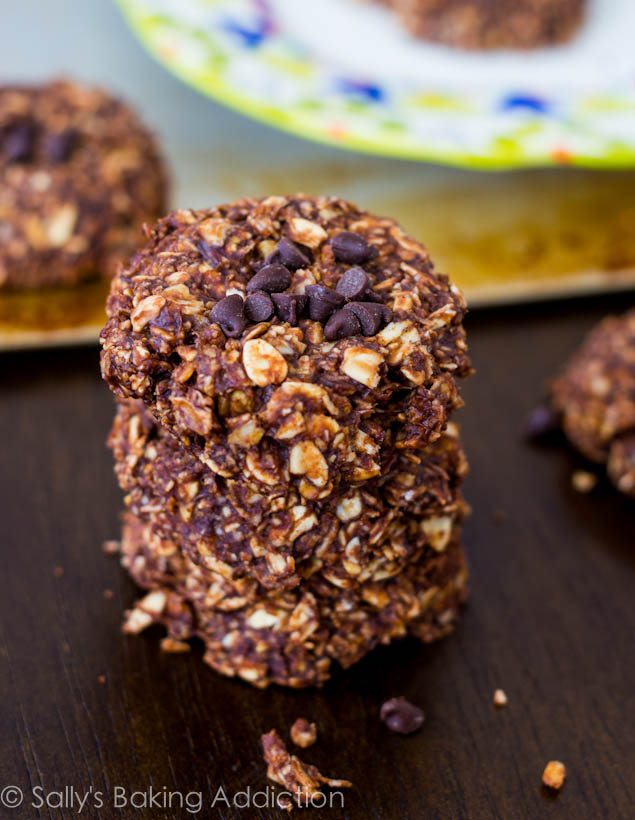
(367,533)
(287,341)
(79,175)
(492,24)
(290,638)
(595,396)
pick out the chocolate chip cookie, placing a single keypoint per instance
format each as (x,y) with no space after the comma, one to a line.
(79,175)
(307,398)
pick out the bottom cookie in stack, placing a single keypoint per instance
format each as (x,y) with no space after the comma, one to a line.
(290,637)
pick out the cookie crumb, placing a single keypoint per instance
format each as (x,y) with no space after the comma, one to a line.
(58,571)
(583,481)
(301,780)
(108,594)
(111,547)
(498,516)
(500,698)
(401,716)
(174,646)
(303,733)
(101,679)
(554,774)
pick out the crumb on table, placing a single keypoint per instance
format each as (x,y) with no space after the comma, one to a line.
(303,733)
(302,780)
(174,646)
(111,547)
(583,481)
(500,698)
(554,774)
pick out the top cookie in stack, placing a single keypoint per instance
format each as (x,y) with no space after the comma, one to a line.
(293,342)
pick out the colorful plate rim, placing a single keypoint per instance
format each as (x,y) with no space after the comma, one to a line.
(506,153)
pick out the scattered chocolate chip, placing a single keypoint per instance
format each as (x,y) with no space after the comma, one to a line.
(401,716)
(59,147)
(210,253)
(322,302)
(342,323)
(272,278)
(289,306)
(19,141)
(353,284)
(371,316)
(289,255)
(541,422)
(351,247)
(258,306)
(229,313)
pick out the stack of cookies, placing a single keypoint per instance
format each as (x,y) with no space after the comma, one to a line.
(286,370)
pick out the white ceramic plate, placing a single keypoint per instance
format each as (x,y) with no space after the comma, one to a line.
(345,72)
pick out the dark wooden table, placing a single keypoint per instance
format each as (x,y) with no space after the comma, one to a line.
(551,620)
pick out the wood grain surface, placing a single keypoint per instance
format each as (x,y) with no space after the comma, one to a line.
(551,620)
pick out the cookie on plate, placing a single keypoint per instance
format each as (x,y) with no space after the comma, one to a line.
(492,24)
(595,396)
(79,175)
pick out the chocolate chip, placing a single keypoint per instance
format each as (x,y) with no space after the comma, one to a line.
(371,316)
(322,302)
(19,141)
(401,716)
(229,313)
(351,247)
(272,278)
(289,255)
(541,422)
(258,306)
(289,306)
(353,284)
(371,296)
(59,147)
(342,323)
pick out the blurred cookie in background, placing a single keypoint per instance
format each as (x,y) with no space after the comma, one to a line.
(595,396)
(79,175)
(490,24)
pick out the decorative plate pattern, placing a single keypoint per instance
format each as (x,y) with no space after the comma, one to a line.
(345,73)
